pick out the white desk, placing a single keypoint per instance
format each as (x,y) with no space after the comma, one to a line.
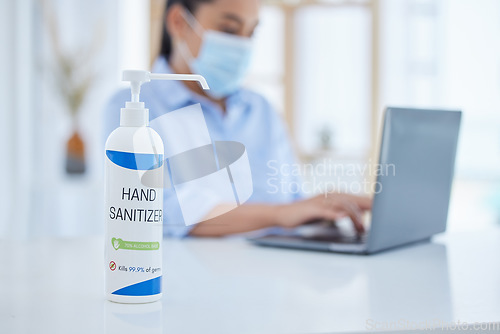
(231,286)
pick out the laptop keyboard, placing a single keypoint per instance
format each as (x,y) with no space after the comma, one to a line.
(340,239)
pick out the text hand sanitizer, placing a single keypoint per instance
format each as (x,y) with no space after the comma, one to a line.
(134,212)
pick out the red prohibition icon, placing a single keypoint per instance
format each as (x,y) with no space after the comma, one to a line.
(112,266)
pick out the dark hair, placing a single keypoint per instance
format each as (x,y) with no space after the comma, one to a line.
(166,41)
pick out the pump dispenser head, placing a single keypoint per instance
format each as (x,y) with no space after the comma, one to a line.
(134,113)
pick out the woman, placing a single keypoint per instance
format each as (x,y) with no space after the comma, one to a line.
(213,38)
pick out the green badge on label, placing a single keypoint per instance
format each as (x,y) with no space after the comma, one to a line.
(134,245)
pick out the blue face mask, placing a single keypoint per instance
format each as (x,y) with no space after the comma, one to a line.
(223,60)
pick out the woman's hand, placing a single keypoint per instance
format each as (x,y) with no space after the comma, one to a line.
(250,217)
(328,207)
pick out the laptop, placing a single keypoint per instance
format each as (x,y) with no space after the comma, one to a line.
(411,202)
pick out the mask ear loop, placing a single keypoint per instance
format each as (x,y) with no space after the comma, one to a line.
(197,28)
(193,23)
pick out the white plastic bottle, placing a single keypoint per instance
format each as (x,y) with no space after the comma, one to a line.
(134,210)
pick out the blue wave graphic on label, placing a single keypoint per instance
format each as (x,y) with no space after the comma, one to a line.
(135,161)
(146,288)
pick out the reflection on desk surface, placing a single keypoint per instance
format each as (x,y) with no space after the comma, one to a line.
(232,286)
(408,282)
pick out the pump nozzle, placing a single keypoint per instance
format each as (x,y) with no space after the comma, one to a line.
(137,78)
(135,113)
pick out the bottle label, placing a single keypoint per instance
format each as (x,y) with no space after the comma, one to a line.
(134,223)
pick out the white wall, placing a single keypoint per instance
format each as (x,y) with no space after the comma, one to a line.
(16,128)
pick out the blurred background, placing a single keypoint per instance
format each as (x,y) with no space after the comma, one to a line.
(329,67)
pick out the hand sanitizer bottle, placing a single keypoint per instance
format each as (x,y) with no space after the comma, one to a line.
(134,211)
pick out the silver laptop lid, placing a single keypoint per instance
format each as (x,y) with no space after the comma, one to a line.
(417,157)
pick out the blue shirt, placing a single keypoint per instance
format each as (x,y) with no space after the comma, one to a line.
(249,119)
